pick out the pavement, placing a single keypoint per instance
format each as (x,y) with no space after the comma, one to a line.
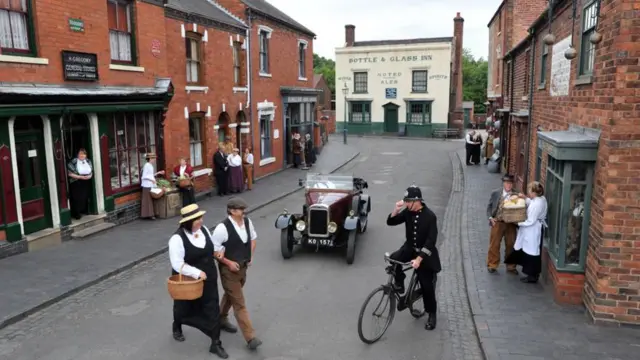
(34,280)
(521,321)
(305,307)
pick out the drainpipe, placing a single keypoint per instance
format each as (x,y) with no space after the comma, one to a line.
(511,83)
(532,73)
(250,83)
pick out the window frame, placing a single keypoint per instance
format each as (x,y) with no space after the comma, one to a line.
(132,33)
(237,63)
(149,123)
(587,49)
(355,82)
(32,50)
(263,51)
(426,115)
(202,141)
(544,56)
(302,60)
(266,137)
(188,39)
(414,87)
(367,111)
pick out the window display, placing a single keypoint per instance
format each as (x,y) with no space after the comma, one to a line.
(131,136)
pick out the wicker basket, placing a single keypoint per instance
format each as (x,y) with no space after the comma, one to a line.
(184,183)
(514,215)
(184,287)
(157,195)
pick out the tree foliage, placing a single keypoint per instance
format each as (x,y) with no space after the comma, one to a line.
(474,80)
(327,68)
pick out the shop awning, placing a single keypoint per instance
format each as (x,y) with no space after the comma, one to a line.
(577,143)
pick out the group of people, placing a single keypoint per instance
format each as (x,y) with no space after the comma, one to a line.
(225,253)
(477,149)
(303,151)
(232,170)
(523,241)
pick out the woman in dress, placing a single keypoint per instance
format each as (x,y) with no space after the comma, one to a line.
(296,147)
(147,182)
(475,155)
(192,253)
(528,247)
(80,171)
(182,171)
(488,146)
(310,154)
(236,183)
(247,167)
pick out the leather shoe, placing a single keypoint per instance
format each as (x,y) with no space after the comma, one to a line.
(216,348)
(431,322)
(254,343)
(177,332)
(228,327)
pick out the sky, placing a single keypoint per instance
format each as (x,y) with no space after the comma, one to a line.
(391,19)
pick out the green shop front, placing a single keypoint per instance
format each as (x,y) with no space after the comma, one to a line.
(299,114)
(42,128)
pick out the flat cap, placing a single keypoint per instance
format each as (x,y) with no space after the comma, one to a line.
(237,203)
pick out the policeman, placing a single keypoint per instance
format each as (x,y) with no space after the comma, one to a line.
(419,247)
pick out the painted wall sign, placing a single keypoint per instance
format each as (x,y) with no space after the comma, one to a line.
(377,59)
(389,78)
(76,25)
(390,93)
(560,68)
(344,78)
(155,48)
(438,77)
(77,66)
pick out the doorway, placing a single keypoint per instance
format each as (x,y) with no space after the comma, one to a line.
(32,174)
(391,118)
(288,154)
(77,135)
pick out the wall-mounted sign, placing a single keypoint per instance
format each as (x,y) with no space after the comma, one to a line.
(395,58)
(344,78)
(389,78)
(560,68)
(76,25)
(155,48)
(438,77)
(390,93)
(77,66)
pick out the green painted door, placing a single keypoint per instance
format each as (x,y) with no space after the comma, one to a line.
(32,176)
(467,118)
(391,119)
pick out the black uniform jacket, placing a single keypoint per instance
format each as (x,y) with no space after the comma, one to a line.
(421,229)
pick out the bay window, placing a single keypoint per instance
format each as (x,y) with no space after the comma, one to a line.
(120,15)
(131,137)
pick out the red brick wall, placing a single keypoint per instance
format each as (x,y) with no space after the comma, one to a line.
(525,12)
(216,70)
(53,36)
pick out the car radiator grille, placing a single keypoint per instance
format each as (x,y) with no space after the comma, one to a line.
(318,219)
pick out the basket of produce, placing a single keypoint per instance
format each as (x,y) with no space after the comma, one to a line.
(162,186)
(157,193)
(184,182)
(514,210)
(184,287)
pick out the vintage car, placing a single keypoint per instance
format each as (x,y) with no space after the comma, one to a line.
(336,210)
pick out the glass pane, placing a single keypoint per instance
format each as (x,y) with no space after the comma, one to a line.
(141,138)
(131,130)
(194,129)
(574,224)
(554,198)
(111,133)
(120,133)
(579,171)
(20,155)
(114,170)
(151,132)
(125,173)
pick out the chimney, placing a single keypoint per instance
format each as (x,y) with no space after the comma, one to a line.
(458,26)
(349,34)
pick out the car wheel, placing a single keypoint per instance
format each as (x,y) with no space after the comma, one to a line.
(351,246)
(286,242)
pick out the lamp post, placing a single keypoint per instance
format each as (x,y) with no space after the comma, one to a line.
(345,91)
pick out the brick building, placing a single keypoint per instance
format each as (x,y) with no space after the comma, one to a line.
(282,94)
(327,114)
(581,140)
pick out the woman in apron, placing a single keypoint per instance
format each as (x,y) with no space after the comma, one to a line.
(80,172)
(147,182)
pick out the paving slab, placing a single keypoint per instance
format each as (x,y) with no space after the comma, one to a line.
(34,280)
(521,321)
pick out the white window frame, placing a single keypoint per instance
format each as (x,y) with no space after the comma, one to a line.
(264,69)
(303,45)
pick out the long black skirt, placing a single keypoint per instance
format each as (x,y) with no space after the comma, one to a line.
(531,265)
(79,195)
(203,313)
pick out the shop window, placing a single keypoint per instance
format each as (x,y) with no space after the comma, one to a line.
(360,82)
(196,140)
(419,81)
(294,113)
(419,112)
(16,28)
(194,58)
(237,61)
(120,20)
(131,136)
(569,186)
(359,112)
(265,136)
(587,49)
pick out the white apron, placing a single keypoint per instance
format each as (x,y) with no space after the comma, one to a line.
(530,230)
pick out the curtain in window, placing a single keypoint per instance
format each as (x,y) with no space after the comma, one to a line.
(120,45)
(195,141)
(119,20)
(13,25)
(193,56)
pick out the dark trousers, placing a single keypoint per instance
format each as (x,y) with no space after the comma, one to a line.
(188,196)
(203,313)
(222,178)
(469,154)
(426,277)
(79,196)
(475,154)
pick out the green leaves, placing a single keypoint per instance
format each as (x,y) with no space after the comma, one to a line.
(474,80)
(327,68)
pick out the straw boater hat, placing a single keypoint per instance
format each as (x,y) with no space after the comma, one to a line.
(191,212)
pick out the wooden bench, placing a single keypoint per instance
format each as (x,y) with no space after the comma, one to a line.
(446,133)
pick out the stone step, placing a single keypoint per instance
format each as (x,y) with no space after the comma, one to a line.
(86,222)
(81,234)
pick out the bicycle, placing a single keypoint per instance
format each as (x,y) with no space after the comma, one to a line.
(390,293)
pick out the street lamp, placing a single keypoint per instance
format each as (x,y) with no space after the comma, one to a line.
(345,91)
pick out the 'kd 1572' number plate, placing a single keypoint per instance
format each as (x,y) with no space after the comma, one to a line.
(321,242)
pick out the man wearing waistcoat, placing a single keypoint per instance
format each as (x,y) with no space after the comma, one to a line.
(500,229)
(237,236)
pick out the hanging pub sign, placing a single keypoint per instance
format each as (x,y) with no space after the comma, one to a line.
(77,66)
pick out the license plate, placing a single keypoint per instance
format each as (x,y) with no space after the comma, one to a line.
(321,242)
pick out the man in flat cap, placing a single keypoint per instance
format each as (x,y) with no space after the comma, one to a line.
(500,229)
(237,237)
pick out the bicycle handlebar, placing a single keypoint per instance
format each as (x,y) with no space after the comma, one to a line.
(387,258)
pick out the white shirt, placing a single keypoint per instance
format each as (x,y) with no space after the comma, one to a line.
(220,234)
(182,169)
(148,176)
(83,167)
(250,158)
(530,230)
(234,160)
(505,195)
(468,139)
(177,252)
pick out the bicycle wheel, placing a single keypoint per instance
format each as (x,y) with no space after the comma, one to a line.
(385,305)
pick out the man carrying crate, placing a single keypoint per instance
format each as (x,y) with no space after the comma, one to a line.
(500,229)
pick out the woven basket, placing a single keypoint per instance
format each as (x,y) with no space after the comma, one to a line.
(184,287)
(184,183)
(158,195)
(514,215)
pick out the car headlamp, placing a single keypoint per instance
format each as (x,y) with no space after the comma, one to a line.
(301,225)
(332,227)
